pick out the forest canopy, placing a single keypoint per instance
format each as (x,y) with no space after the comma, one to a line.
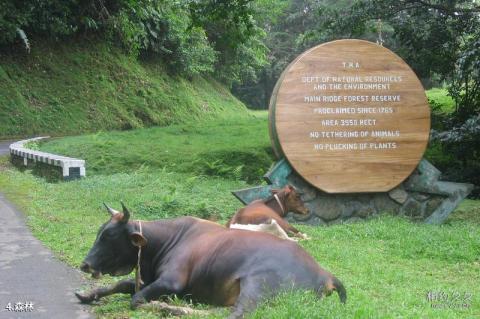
(192,37)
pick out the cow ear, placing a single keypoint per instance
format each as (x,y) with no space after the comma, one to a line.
(126,213)
(137,239)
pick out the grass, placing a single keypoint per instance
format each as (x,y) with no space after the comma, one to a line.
(441,98)
(85,86)
(388,264)
(233,147)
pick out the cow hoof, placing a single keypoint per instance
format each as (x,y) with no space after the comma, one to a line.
(304,236)
(137,302)
(88,298)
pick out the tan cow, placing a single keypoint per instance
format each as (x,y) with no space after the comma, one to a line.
(274,208)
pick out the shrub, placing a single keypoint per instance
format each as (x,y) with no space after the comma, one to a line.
(462,143)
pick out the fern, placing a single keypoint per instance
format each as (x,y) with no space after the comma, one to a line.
(24,38)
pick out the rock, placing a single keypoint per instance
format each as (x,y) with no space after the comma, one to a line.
(398,194)
(384,204)
(412,208)
(366,211)
(309,194)
(361,207)
(301,218)
(420,196)
(433,204)
(326,207)
(316,221)
(289,218)
(350,207)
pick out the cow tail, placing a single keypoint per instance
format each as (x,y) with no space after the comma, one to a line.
(342,293)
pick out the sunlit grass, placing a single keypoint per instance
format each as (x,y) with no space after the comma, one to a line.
(440,97)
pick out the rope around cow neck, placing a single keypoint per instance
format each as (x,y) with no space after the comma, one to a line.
(279,203)
(138,275)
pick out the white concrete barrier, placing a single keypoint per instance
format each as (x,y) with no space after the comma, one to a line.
(71,167)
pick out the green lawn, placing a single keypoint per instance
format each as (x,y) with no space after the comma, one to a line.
(388,264)
(440,96)
(233,147)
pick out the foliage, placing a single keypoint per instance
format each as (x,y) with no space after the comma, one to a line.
(86,86)
(192,37)
(437,38)
(465,88)
(463,144)
(231,28)
(442,106)
(440,97)
(46,17)
(287,26)
(164,29)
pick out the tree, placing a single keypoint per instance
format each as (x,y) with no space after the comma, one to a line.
(287,24)
(191,36)
(231,28)
(438,39)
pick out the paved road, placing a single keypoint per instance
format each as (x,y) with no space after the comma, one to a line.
(29,273)
(4,147)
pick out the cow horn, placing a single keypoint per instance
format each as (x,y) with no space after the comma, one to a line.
(126,213)
(111,210)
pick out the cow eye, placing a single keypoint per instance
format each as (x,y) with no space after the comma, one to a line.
(107,233)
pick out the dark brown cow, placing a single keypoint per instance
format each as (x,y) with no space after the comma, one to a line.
(202,260)
(262,211)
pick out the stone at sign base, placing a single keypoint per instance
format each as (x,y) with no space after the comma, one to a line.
(422,196)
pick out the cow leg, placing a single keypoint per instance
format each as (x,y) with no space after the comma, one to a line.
(291,230)
(281,233)
(166,284)
(252,291)
(288,228)
(123,287)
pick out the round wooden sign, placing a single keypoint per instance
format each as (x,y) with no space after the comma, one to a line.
(350,116)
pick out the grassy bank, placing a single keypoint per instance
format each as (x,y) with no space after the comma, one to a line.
(86,86)
(233,147)
(388,264)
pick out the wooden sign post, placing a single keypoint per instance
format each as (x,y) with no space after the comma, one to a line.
(350,116)
(349,122)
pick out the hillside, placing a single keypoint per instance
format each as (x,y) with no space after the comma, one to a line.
(85,86)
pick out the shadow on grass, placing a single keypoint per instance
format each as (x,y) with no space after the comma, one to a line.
(51,174)
(468,211)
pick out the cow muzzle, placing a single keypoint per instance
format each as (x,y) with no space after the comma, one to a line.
(85,267)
